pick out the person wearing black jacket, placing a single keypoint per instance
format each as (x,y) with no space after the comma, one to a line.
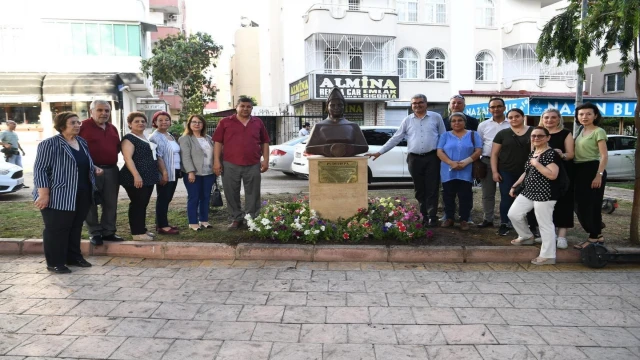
(457,104)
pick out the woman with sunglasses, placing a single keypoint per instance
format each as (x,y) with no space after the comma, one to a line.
(590,162)
(196,153)
(509,154)
(561,141)
(539,192)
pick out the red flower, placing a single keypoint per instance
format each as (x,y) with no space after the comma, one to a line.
(345,236)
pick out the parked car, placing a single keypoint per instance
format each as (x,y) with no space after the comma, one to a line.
(11,178)
(621,149)
(281,156)
(391,166)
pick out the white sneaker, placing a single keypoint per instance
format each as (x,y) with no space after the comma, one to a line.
(562,243)
(538,240)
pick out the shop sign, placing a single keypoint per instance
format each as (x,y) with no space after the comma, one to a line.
(482,109)
(352,112)
(299,91)
(608,108)
(358,87)
(159,107)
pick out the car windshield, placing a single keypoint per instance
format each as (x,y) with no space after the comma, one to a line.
(296,140)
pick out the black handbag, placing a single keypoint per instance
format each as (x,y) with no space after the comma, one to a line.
(216,196)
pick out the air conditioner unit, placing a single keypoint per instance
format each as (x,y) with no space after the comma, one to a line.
(173,17)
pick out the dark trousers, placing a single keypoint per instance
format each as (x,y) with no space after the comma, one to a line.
(250,177)
(508,179)
(463,190)
(165,195)
(198,197)
(588,201)
(139,199)
(108,185)
(425,172)
(62,231)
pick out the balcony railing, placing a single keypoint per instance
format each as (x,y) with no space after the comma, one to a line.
(350,54)
(521,63)
(339,11)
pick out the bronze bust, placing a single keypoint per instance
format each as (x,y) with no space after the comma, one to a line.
(336,136)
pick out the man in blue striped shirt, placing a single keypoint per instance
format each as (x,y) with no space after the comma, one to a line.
(422,130)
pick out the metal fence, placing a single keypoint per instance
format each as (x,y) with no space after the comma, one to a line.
(280,128)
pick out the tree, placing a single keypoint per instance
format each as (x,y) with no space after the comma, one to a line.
(609,23)
(183,60)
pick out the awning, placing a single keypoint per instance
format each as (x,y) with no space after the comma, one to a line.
(80,87)
(20,88)
(148,27)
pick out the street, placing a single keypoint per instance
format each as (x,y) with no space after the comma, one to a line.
(127,308)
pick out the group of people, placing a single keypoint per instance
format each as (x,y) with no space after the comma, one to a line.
(537,170)
(76,171)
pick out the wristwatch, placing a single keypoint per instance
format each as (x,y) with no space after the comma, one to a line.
(601,173)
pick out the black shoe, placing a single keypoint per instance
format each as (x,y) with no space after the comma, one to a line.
(96,239)
(536,233)
(504,230)
(79,263)
(59,269)
(432,223)
(113,237)
(485,224)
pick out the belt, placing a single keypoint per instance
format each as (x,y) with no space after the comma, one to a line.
(432,152)
(107,166)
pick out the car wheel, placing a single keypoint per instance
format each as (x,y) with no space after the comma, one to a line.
(289,174)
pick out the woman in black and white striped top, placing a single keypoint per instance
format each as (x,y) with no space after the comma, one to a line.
(64,181)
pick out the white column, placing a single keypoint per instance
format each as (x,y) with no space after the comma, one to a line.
(46,120)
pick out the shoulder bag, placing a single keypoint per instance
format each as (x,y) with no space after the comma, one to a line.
(479,170)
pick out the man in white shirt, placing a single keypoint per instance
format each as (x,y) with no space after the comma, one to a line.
(487,131)
(305,129)
(422,129)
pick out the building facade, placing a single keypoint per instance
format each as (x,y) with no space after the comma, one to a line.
(244,65)
(382,52)
(60,56)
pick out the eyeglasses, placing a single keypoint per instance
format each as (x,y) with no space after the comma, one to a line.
(456,120)
(417,103)
(536,136)
(496,107)
(196,123)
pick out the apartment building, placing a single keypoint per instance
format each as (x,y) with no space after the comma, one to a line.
(61,55)
(382,52)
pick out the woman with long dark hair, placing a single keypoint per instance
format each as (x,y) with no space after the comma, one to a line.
(590,162)
(509,153)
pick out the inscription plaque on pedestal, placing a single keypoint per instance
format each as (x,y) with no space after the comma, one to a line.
(337,172)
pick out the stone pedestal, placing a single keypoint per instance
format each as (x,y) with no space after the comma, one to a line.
(338,187)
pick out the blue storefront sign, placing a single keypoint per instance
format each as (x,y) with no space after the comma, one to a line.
(482,110)
(608,108)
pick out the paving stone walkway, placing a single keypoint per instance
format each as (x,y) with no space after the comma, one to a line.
(125,308)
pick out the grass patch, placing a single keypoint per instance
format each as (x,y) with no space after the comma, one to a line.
(623,185)
(23,220)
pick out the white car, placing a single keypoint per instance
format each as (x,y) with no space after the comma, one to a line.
(621,150)
(281,156)
(391,166)
(11,178)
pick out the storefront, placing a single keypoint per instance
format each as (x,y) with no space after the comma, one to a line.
(20,97)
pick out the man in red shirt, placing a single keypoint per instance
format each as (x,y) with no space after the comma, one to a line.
(241,139)
(104,146)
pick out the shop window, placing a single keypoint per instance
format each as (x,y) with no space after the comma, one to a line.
(93,39)
(20,113)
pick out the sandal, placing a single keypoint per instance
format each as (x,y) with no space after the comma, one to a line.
(543,261)
(589,241)
(522,241)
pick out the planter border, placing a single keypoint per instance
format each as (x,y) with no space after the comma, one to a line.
(296,252)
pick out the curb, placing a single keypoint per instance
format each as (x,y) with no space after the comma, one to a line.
(294,252)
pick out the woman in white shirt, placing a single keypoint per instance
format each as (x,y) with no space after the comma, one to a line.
(169,151)
(196,152)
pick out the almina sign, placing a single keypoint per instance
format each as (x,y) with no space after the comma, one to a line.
(361,87)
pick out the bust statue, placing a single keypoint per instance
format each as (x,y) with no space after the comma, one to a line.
(336,136)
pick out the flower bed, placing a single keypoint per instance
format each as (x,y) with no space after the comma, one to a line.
(383,219)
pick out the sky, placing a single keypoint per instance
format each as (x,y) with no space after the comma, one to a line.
(221,18)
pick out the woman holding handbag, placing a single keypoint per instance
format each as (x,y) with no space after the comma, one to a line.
(196,149)
(169,151)
(457,150)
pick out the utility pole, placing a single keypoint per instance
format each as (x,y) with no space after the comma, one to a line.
(580,84)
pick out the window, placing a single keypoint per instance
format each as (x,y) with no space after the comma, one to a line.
(355,61)
(436,12)
(93,39)
(435,65)
(21,113)
(408,64)
(407,10)
(354,4)
(484,66)
(331,60)
(627,143)
(377,137)
(614,82)
(485,13)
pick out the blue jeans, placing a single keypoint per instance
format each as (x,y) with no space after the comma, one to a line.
(198,195)
(508,179)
